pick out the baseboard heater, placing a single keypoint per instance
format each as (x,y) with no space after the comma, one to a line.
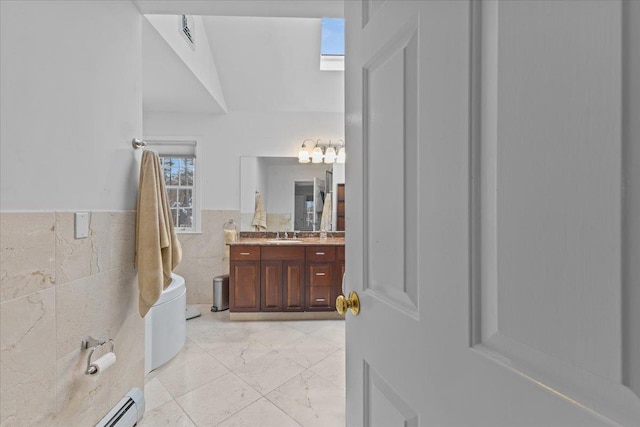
(127,413)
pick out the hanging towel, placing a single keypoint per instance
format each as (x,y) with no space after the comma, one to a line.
(158,250)
(260,216)
(325,222)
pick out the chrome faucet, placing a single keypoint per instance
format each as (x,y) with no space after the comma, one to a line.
(286,235)
(295,234)
(277,235)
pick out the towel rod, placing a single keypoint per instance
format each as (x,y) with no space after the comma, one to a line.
(138,143)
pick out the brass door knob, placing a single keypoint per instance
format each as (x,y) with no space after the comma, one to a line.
(352,303)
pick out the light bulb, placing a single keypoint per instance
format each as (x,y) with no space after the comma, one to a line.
(303,156)
(341,155)
(316,156)
(330,155)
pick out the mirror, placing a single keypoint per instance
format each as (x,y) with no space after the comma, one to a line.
(293,193)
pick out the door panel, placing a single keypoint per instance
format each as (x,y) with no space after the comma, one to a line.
(293,285)
(390,113)
(490,213)
(271,286)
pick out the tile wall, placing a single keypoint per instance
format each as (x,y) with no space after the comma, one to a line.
(54,291)
(204,255)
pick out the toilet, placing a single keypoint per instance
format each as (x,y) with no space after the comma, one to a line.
(165,326)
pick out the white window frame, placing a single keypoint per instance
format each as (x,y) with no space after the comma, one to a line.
(183,147)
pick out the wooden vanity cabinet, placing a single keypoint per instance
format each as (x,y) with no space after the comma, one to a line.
(285,278)
(340,263)
(282,278)
(322,272)
(244,278)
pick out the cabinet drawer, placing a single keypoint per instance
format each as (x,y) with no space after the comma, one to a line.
(320,274)
(319,298)
(321,253)
(245,253)
(283,253)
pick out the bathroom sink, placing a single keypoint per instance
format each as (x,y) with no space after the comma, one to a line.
(284,241)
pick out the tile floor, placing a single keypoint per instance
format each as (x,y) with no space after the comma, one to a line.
(270,374)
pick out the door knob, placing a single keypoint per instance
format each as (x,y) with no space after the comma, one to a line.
(352,303)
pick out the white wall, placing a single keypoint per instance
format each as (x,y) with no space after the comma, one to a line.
(273,64)
(197,57)
(71,103)
(281,183)
(223,139)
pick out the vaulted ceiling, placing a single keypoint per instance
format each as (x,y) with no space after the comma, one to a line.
(264,61)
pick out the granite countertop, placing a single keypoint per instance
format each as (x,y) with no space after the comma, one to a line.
(302,241)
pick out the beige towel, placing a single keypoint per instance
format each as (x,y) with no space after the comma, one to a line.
(260,216)
(158,250)
(325,222)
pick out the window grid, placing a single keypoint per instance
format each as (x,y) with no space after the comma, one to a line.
(179,176)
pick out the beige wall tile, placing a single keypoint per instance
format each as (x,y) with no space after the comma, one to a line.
(27,257)
(127,331)
(31,403)
(96,295)
(78,258)
(82,400)
(82,309)
(123,238)
(27,337)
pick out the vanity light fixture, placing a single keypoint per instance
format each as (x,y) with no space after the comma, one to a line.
(303,154)
(319,152)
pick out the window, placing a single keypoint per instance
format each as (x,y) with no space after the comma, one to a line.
(332,44)
(178,178)
(178,162)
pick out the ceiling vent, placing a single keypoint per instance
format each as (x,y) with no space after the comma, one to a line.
(188,27)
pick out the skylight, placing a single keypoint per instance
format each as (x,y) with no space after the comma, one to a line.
(332,36)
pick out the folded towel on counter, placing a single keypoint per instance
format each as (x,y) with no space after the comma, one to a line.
(158,250)
(325,222)
(260,216)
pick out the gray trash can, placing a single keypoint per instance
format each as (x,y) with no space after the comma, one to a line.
(220,293)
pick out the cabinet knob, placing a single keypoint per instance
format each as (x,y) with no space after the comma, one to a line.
(352,303)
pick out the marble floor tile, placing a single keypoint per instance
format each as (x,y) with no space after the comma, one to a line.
(155,395)
(277,336)
(181,378)
(234,355)
(170,414)
(260,414)
(268,372)
(311,400)
(267,358)
(308,326)
(333,334)
(332,368)
(217,400)
(308,350)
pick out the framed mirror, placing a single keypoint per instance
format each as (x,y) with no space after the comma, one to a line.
(293,193)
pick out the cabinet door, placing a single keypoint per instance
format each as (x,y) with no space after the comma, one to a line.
(271,286)
(244,283)
(293,285)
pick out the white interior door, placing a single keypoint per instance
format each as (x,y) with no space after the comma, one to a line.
(494,213)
